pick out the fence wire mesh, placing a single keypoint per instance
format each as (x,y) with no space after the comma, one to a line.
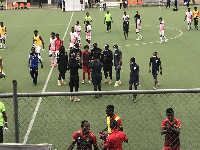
(57,118)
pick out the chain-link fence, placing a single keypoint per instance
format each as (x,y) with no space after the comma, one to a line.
(54,118)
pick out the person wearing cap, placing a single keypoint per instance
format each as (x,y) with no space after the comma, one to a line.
(86,58)
(73,67)
(108,20)
(38,42)
(96,66)
(107,59)
(195,15)
(96,51)
(3,121)
(156,63)
(134,76)
(62,60)
(117,64)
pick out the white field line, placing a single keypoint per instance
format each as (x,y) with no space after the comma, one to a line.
(43,90)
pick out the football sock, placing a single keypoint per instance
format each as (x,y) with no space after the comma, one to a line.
(160,39)
(88,76)
(0,44)
(51,59)
(165,37)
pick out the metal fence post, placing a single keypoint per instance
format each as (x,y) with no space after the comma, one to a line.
(15,103)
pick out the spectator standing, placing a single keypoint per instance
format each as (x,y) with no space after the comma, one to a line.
(84,138)
(117,64)
(96,66)
(3,121)
(62,60)
(168,4)
(171,128)
(74,65)
(195,15)
(107,59)
(115,139)
(2,75)
(96,51)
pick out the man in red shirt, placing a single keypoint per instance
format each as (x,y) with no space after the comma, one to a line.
(84,138)
(110,116)
(86,57)
(115,139)
(59,43)
(171,128)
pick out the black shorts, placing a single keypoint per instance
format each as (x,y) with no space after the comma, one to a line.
(74,81)
(133,81)
(155,72)
(33,71)
(107,67)
(125,30)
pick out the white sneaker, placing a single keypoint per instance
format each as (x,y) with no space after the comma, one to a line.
(166,41)
(154,88)
(83,82)
(89,81)
(157,84)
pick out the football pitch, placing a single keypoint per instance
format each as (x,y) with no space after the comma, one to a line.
(179,57)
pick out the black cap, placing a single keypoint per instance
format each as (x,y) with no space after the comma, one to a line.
(115,46)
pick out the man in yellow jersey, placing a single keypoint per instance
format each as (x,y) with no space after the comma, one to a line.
(38,42)
(87,18)
(2,75)
(107,20)
(195,15)
(3,121)
(110,116)
(2,35)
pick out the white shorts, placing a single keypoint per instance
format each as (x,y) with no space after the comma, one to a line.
(189,20)
(79,37)
(162,32)
(52,52)
(101,5)
(3,37)
(37,49)
(89,37)
(71,44)
(160,3)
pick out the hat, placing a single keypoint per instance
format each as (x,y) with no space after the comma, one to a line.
(115,46)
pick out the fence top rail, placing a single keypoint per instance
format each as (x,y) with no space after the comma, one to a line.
(119,92)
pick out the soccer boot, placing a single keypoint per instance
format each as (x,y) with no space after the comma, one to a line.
(137,39)
(110,82)
(52,64)
(154,88)
(76,99)
(119,81)
(166,41)
(71,98)
(141,37)
(55,65)
(59,84)
(116,84)
(83,82)
(63,82)
(106,81)
(89,81)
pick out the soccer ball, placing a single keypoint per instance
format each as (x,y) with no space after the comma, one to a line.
(185,4)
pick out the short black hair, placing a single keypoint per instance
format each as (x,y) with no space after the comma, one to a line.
(106,46)
(77,22)
(133,59)
(110,107)
(84,121)
(36,31)
(169,110)
(57,34)
(53,33)
(86,46)
(113,124)
(95,44)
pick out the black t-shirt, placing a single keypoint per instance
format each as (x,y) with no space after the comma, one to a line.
(62,60)
(134,71)
(96,51)
(117,55)
(155,63)
(73,67)
(107,56)
(96,67)
(125,25)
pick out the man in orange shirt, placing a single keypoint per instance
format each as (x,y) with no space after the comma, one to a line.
(2,35)
(195,15)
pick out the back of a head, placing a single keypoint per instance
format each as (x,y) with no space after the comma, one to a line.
(113,124)
(62,50)
(170,110)
(110,107)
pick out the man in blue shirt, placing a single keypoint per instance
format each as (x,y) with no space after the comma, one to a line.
(33,64)
(168,4)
